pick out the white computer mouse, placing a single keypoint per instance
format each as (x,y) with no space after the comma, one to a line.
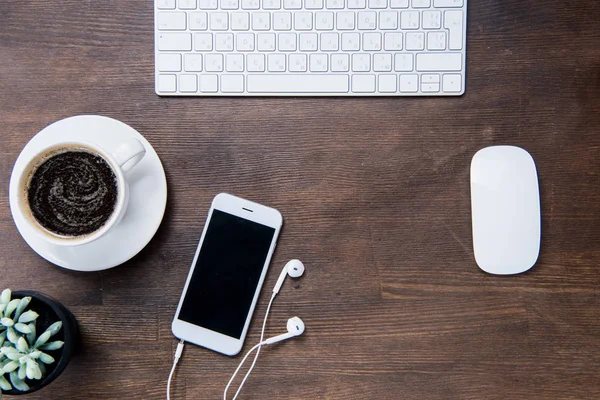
(505,206)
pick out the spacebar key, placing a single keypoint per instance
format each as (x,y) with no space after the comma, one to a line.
(329,83)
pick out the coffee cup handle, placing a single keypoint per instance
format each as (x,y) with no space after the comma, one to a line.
(129,154)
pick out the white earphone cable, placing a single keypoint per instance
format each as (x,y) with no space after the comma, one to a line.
(259,346)
(175,361)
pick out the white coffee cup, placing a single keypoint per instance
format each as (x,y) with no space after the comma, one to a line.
(126,156)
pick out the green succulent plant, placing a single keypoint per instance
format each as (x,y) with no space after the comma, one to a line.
(21,350)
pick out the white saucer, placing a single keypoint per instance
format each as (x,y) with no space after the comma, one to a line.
(147,197)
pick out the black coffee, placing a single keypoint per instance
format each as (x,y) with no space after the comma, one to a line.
(72,193)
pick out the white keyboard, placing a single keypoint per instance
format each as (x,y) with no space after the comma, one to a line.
(310,47)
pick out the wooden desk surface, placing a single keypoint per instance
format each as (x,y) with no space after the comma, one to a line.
(375,196)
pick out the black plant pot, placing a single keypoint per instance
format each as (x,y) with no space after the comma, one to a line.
(51,311)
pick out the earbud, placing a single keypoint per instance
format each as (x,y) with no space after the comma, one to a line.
(293,268)
(295,327)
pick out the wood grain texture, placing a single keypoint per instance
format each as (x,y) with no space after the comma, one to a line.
(375,196)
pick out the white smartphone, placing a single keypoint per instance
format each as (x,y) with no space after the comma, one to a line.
(227,274)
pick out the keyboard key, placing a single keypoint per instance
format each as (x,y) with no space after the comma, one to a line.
(294,83)
(224,41)
(398,3)
(409,20)
(250,4)
(232,83)
(166,4)
(453,21)
(265,42)
(361,62)
(415,41)
(188,83)
(198,21)
(175,42)
(430,78)
(363,83)
(171,21)
(409,83)
(213,62)
(350,41)
(255,62)
(392,41)
(271,4)
(387,84)
(245,42)
(324,21)
(240,21)
(219,21)
(436,41)
(230,4)
(282,21)
(334,4)
(439,62)
(169,62)
(261,21)
(388,20)
(447,3)
(372,41)
(292,4)
(330,41)
(167,83)
(207,4)
(186,4)
(297,63)
(357,4)
(403,62)
(308,42)
(209,83)
(303,21)
(367,20)
(432,19)
(452,83)
(203,42)
(430,87)
(276,62)
(287,42)
(377,4)
(318,63)
(340,62)
(382,62)
(345,21)
(313,4)
(421,3)
(193,62)
(234,63)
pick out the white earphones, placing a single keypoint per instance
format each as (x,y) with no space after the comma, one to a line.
(293,268)
(295,326)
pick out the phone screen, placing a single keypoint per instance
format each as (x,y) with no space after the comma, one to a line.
(226,274)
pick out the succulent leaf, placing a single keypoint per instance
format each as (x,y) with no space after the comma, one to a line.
(7,322)
(54,328)
(17,383)
(22,371)
(42,368)
(22,345)
(52,346)
(12,306)
(35,354)
(23,303)
(33,370)
(28,316)
(5,296)
(11,353)
(2,308)
(4,384)
(46,359)
(2,338)
(23,328)
(10,367)
(12,336)
(31,336)
(42,339)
